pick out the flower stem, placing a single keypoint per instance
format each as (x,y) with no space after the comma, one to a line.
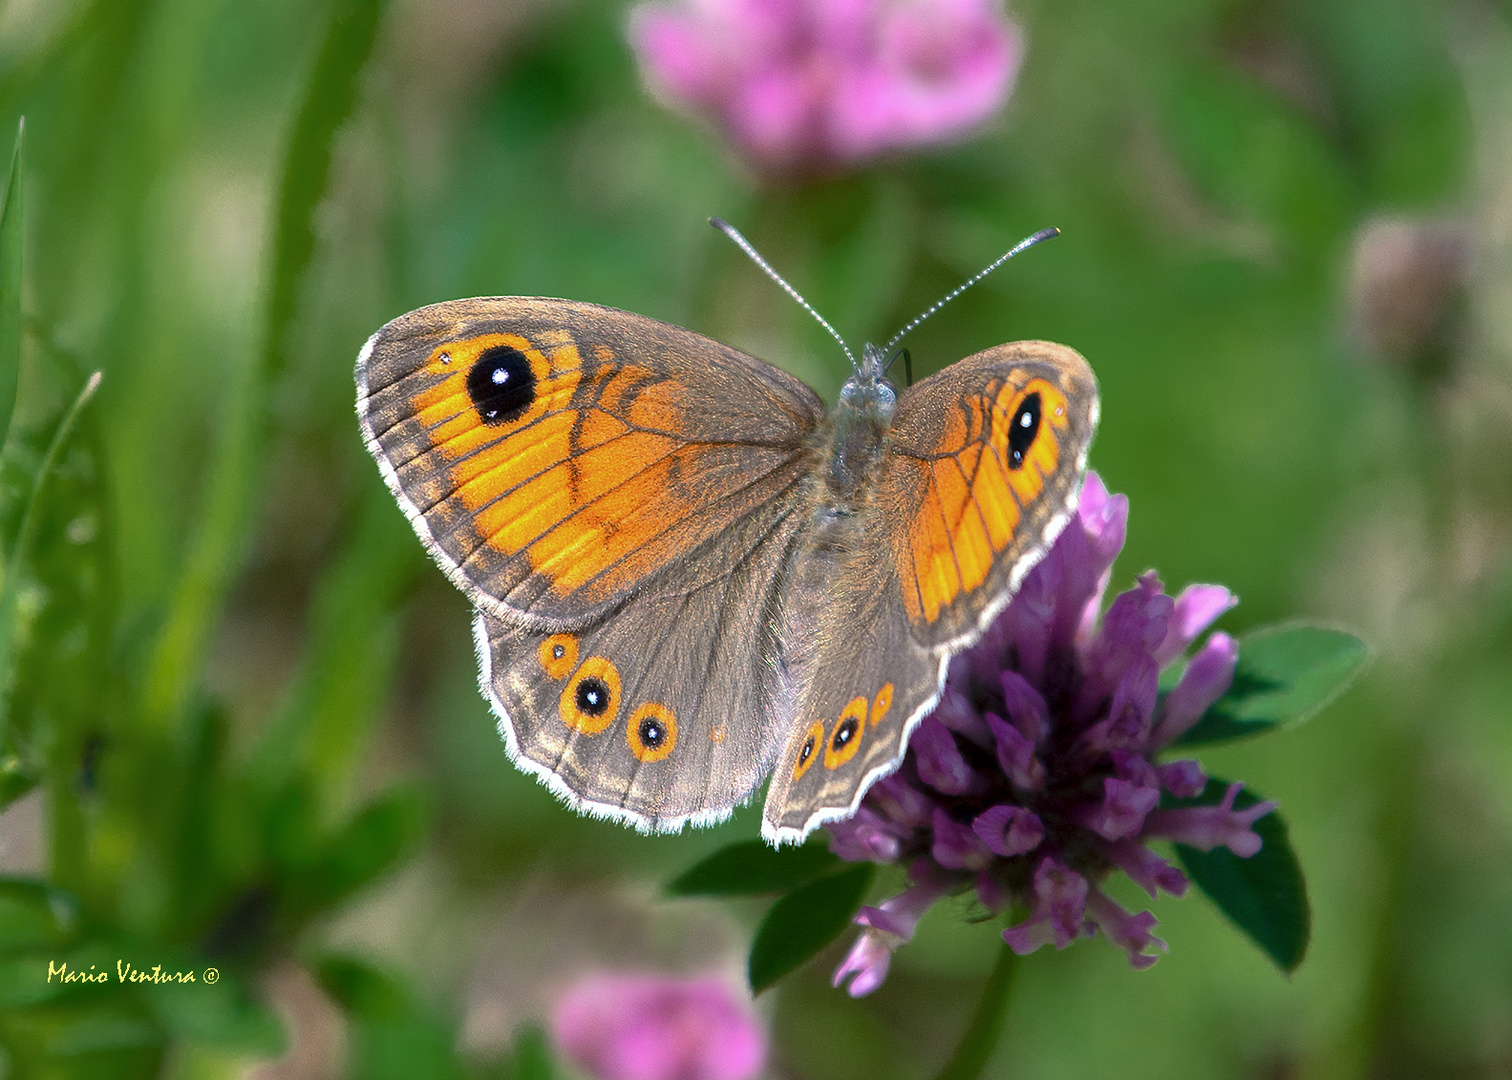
(976,1046)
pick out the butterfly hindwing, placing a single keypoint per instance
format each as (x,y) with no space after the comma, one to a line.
(669,710)
(863,684)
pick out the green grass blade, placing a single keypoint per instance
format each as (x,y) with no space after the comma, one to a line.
(11,221)
(225,527)
(321,727)
(21,548)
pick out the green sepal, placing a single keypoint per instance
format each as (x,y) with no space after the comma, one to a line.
(1285,675)
(803,922)
(753,868)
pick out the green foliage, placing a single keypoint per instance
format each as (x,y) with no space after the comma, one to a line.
(393,1035)
(1286,675)
(753,868)
(803,922)
(1265,894)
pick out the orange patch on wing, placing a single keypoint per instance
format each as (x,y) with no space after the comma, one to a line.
(880,704)
(973,501)
(963,521)
(652,732)
(934,557)
(846,740)
(510,462)
(999,511)
(558,655)
(621,384)
(621,501)
(598,427)
(660,406)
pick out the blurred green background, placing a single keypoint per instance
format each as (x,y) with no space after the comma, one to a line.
(241,721)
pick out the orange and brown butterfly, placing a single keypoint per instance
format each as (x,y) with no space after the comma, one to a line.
(688,574)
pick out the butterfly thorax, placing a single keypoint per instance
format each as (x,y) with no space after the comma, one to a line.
(858,434)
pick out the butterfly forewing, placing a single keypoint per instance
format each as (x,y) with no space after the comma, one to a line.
(984,467)
(555,456)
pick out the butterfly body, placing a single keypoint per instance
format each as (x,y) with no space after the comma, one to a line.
(688,575)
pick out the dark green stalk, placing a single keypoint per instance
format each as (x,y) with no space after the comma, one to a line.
(976,1046)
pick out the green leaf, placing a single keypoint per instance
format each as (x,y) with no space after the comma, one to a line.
(348,666)
(803,922)
(361,990)
(217,1013)
(391,1034)
(532,1056)
(1286,674)
(1264,895)
(16,779)
(373,842)
(752,868)
(11,236)
(110,1026)
(35,916)
(51,973)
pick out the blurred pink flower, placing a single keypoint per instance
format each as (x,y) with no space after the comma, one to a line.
(657,1027)
(806,83)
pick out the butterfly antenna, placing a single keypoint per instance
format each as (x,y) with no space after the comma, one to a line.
(745,245)
(1022,245)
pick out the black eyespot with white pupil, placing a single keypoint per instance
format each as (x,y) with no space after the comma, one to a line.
(593,696)
(558,651)
(652,733)
(844,733)
(807,751)
(1022,431)
(501,384)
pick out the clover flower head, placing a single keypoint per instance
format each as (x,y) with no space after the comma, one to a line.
(809,84)
(657,1027)
(1036,776)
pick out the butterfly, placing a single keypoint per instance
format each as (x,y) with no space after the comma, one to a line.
(688,575)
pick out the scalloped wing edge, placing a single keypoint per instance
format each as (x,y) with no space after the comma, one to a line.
(553,783)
